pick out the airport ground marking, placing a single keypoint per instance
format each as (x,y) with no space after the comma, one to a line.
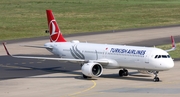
(77,93)
(39,62)
(23,63)
(31,62)
(10,66)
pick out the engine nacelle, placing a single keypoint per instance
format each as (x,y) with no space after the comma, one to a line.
(144,72)
(92,69)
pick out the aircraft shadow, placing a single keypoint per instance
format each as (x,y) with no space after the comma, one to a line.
(129,77)
(49,67)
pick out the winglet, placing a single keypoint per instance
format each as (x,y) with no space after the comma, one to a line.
(6,49)
(173,42)
(173,45)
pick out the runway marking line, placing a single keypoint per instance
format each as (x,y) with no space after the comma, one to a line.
(10,66)
(31,62)
(23,63)
(38,62)
(77,93)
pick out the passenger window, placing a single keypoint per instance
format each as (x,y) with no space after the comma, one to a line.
(156,56)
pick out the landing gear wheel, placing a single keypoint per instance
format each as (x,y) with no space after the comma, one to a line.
(85,77)
(121,72)
(156,79)
(125,72)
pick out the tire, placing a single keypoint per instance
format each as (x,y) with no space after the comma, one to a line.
(121,72)
(156,79)
(85,77)
(125,72)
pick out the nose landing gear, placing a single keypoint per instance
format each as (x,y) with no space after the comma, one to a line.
(156,78)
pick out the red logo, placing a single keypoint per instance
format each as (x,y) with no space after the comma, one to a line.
(54,31)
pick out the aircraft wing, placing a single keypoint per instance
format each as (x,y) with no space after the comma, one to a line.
(173,45)
(104,62)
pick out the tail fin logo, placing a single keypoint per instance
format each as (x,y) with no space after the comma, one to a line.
(54,31)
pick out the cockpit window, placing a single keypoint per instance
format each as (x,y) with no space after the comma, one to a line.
(162,56)
(168,56)
(159,56)
(156,56)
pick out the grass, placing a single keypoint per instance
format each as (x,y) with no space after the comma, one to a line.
(173,54)
(27,18)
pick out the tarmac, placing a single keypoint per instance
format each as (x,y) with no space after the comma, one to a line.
(42,78)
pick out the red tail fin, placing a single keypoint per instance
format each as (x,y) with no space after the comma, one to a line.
(55,33)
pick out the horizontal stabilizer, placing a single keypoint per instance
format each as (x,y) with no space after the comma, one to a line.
(37,46)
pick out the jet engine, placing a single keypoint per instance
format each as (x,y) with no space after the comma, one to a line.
(92,69)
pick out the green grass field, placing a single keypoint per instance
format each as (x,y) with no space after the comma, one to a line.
(175,53)
(27,18)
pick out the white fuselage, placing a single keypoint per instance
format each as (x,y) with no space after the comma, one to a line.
(119,56)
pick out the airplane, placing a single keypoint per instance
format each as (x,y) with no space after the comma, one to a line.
(94,57)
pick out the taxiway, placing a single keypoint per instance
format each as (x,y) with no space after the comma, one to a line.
(34,78)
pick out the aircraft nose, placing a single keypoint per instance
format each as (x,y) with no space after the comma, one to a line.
(169,64)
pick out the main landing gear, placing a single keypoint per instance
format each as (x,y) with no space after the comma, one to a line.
(156,78)
(123,72)
(86,77)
